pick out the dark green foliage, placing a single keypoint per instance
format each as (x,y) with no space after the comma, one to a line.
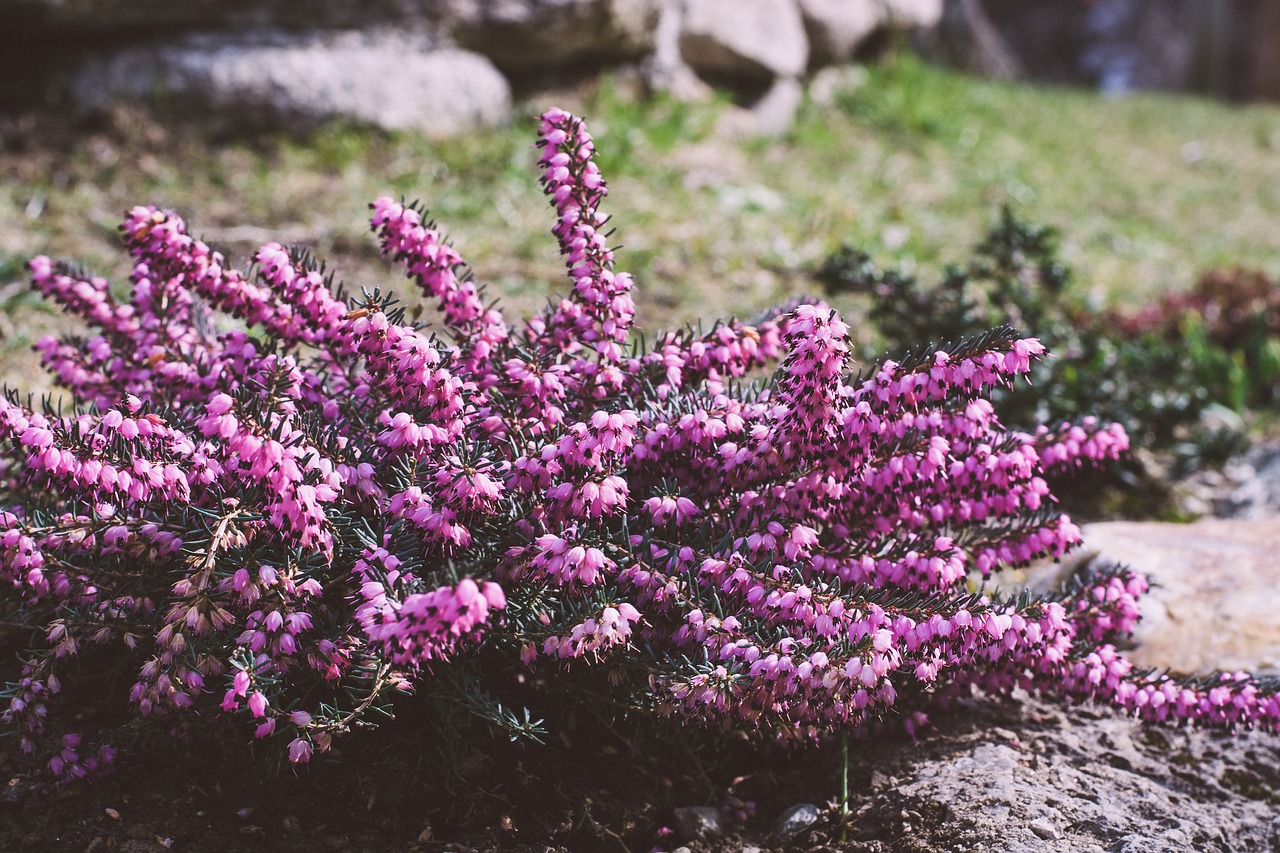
(1229,323)
(1154,373)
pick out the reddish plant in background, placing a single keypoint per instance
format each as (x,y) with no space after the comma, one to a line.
(285,523)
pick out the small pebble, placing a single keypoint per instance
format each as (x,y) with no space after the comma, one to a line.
(697,823)
(292,824)
(1044,829)
(797,819)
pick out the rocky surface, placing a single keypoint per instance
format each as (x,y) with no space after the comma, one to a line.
(525,36)
(1019,774)
(283,60)
(796,819)
(1033,777)
(1214,601)
(1028,776)
(836,28)
(1256,485)
(727,39)
(393,81)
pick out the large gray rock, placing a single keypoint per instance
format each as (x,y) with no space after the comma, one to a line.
(1214,601)
(389,80)
(1257,491)
(1215,597)
(836,28)
(127,17)
(911,14)
(521,36)
(730,39)
(1031,777)
(775,112)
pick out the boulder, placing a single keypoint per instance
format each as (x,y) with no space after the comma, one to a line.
(523,36)
(837,28)
(1257,491)
(910,14)
(1214,601)
(770,113)
(731,40)
(393,81)
(1030,776)
(127,18)
(775,112)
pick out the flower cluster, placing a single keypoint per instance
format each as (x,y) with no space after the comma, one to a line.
(289,522)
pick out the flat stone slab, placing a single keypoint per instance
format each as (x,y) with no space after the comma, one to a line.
(1214,602)
(395,81)
(1031,776)
(1215,597)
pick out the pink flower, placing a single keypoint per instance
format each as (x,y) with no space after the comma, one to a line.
(325,498)
(299,751)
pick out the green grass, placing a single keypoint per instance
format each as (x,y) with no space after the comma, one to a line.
(1147,191)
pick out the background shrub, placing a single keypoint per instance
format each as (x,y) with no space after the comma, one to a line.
(1155,371)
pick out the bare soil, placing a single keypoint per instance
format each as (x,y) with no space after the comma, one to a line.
(1136,788)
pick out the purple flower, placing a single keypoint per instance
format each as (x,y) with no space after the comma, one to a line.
(299,751)
(327,504)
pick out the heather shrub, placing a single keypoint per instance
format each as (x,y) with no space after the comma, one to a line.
(283,522)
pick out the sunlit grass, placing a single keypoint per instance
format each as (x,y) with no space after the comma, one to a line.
(1147,190)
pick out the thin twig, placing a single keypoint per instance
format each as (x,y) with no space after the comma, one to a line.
(379,681)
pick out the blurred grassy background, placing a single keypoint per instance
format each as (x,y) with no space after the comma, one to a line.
(1148,191)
